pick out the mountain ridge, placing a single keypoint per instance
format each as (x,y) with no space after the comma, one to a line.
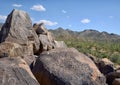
(86,35)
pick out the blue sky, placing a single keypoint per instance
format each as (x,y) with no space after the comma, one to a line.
(77,15)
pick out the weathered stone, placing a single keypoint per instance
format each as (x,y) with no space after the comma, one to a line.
(15,71)
(112,76)
(46,43)
(29,59)
(60,44)
(116,81)
(105,66)
(66,66)
(40,28)
(11,49)
(8,49)
(18,29)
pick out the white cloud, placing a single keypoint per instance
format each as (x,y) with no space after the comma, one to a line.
(63,11)
(85,21)
(17,5)
(3,17)
(47,22)
(38,8)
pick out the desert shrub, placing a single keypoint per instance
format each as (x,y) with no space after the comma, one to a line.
(115,58)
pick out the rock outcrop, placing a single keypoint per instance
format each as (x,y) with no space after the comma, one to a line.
(18,29)
(45,37)
(66,66)
(15,71)
(40,28)
(27,50)
(19,41)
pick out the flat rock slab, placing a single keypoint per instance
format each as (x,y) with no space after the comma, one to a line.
(15,71)
(66,66)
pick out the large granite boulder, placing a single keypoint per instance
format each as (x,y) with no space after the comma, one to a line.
(66,66)
(15,71)
(18,29)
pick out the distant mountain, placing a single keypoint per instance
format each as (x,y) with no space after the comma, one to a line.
(86,35)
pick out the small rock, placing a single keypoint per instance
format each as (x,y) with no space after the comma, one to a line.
(40,28)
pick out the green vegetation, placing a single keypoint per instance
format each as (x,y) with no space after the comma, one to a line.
(99,44)
(99,49)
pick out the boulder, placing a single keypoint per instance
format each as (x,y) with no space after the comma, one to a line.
(60,44)
(15,71)
(46,39)
(105,66)
(112,76)
(40,28)
(116,81)
(66,66)
(46,43)
(18,29)
(8,49)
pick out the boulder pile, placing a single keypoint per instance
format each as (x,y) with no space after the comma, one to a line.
(29,55)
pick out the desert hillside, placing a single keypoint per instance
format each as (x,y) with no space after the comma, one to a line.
(99,44)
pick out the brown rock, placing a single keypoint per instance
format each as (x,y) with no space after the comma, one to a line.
(66,66)
(105,66)
(11,49)
(116,81)
(18,29)
(112,76)
(40,28)
(46,43)
(30,59)
(15,71)
(14,49)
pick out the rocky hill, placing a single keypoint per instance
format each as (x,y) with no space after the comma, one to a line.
(86,35)
(29,55)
